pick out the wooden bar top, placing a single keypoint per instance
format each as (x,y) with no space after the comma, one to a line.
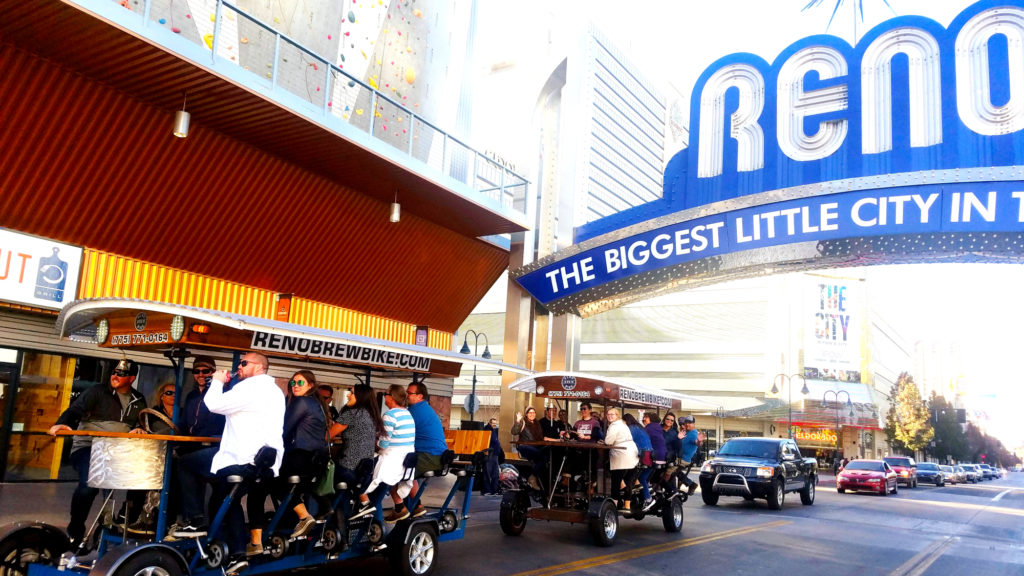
(570,444)
(104,434)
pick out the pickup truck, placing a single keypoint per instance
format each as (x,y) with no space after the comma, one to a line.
(759,468)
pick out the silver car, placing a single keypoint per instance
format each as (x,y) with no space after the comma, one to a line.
(951,475)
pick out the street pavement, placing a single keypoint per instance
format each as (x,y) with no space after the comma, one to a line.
(965,529)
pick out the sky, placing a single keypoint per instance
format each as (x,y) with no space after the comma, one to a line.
(673,41)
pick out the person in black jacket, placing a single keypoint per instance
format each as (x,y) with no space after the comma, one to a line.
(112,407)
(305,452)
(197,420)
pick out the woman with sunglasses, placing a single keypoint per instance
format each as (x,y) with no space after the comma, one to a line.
(305,451)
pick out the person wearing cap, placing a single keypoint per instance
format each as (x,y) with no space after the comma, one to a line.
(110,407)
(690,440)
(198,420)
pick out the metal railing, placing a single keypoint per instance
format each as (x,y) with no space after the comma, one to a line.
(276,62)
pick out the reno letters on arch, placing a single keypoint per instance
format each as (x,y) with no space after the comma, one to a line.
(911,96)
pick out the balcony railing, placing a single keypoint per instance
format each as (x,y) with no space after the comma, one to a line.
(329,94)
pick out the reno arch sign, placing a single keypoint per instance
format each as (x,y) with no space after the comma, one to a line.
(906,147)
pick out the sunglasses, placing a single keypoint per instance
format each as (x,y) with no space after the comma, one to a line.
(296,383)
(122,373)
(202,370)
(243,363)
(168,393)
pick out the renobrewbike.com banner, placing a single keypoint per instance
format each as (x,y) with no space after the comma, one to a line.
(956,208)
(338,352)
(833,314)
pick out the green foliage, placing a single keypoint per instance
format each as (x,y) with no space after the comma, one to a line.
(950,440)
(907,425)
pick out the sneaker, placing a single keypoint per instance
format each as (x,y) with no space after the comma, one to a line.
(253,549)
(396,515)
(236,566)
(190,530)
(535,483)
(691,490)
(364,510)
(303,526)
(649,504)
(419,511)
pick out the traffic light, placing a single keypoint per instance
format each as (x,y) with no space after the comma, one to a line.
(982,456)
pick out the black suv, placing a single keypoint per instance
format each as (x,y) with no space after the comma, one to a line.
(758,468)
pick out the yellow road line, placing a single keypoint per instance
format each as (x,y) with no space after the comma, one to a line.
(920,562)
(985,507)
(645,551)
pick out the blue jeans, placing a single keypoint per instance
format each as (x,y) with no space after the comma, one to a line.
(194,474)
(645,486)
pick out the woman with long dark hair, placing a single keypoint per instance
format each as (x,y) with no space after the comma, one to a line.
(360,425)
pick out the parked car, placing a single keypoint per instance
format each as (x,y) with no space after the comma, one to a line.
(869,476)
(949,473)
(931,473)
(961,475)
(972,472)
(986,472)
(906,469)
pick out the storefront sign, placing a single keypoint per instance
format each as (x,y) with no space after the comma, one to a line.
(824,436)
(36,271)
(336,351)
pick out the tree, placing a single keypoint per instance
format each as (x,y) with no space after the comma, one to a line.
(950,441)
(907,425)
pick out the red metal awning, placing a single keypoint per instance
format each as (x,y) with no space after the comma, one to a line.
(255,194)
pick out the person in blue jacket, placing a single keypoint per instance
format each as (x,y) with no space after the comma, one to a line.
(643,444)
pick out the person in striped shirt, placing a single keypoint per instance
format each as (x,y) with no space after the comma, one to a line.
(399,440)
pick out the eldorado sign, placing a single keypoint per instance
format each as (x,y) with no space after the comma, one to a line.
(916,133)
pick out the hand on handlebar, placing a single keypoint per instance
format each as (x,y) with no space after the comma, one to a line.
(57,428)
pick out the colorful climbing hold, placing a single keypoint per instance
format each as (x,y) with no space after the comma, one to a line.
(417,13)
(162,21)
(351,16)
(410,75)
(176,30)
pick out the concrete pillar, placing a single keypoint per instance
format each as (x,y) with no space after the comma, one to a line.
(518,320)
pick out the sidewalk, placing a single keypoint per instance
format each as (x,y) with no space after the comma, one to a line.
(826,479)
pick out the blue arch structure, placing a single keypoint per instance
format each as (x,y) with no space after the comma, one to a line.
(954,194)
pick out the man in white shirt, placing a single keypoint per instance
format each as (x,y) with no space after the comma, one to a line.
(254,411)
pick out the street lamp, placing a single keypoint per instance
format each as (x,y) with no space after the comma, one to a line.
(788,382)
(486,356)
(824,399)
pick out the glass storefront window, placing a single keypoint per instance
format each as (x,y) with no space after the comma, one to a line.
(48,383)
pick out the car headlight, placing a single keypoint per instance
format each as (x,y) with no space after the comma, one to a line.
(765,471)
(706,467)
(904,473)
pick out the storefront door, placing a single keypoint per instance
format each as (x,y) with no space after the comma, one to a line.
(9,362)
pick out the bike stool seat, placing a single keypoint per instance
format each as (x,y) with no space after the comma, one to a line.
(341,486)
(293,479)
(235,479)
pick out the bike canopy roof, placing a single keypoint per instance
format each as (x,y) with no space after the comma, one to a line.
(579,386)
(128,323)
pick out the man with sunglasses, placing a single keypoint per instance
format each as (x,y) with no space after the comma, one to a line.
(198,420)
(254,411)
(112,407)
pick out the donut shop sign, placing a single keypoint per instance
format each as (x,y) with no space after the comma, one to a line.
(918,129)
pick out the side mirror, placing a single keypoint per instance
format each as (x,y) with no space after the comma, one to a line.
(712,453)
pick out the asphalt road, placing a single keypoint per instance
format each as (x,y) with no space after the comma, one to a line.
(969,529)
